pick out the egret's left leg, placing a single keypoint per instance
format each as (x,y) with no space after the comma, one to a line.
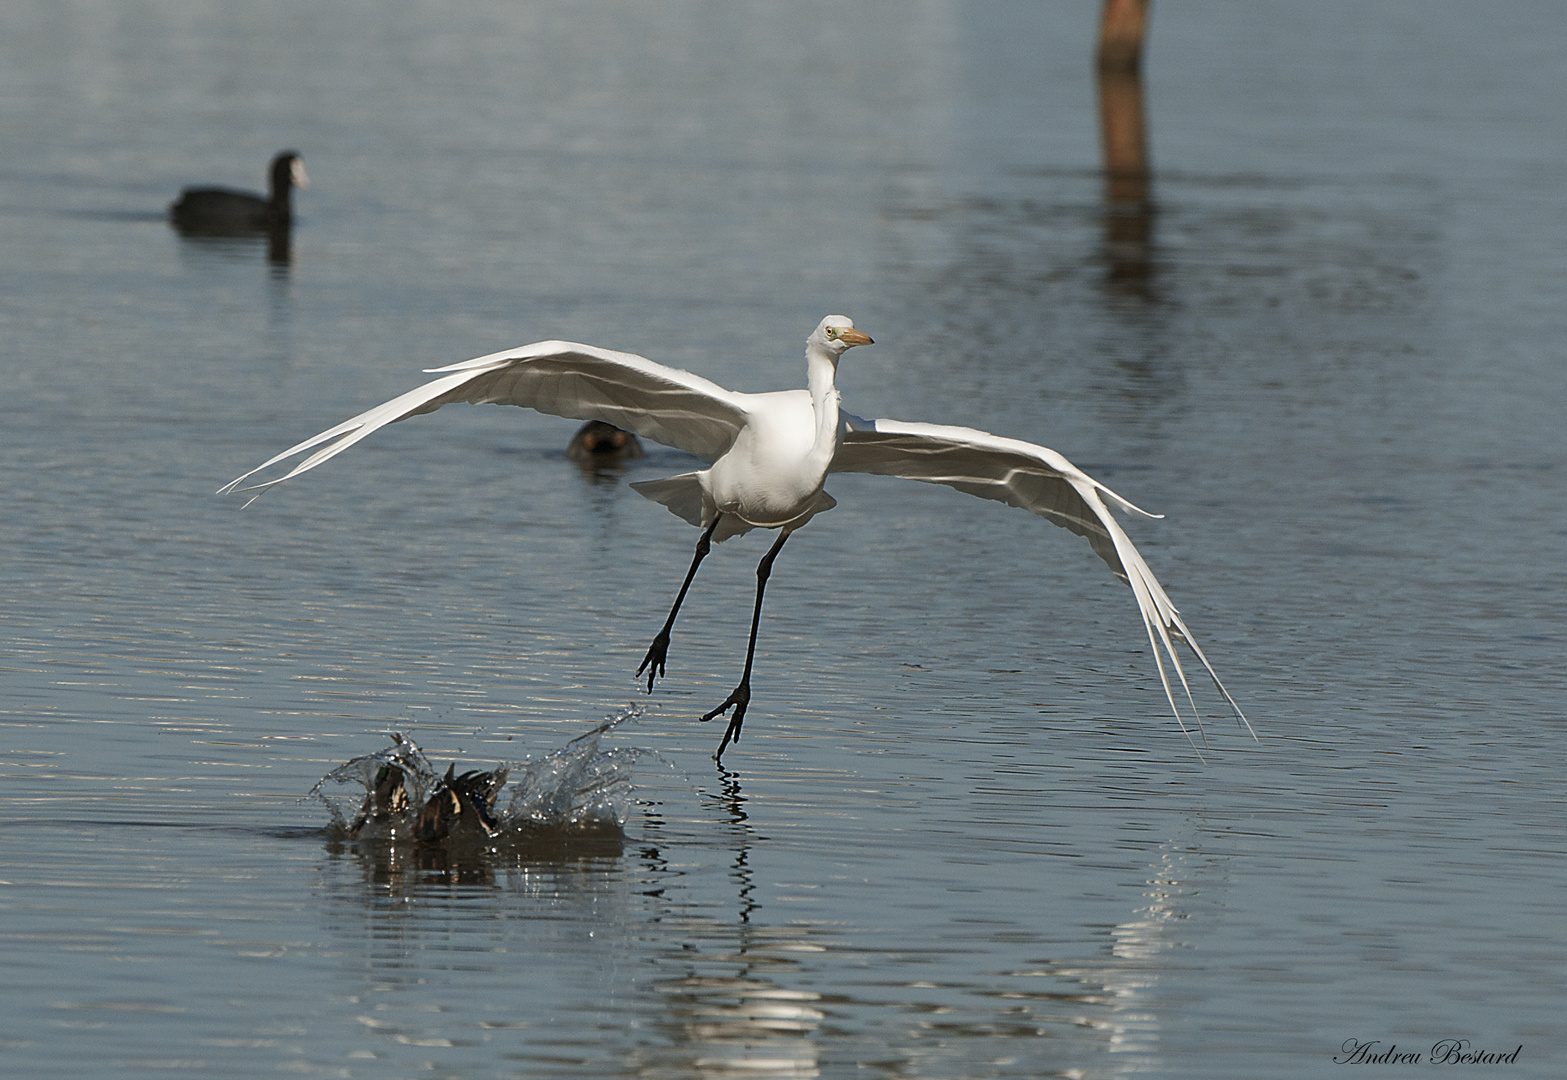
(741,697)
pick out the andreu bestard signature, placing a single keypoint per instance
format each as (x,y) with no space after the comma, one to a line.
(1443,1052)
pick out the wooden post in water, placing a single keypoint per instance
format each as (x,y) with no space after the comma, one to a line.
(1124,138)
(1122,25)
(1121,126)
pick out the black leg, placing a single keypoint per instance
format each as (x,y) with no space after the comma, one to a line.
(654,660)
(742,693)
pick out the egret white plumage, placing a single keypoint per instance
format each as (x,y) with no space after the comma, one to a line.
(771,455)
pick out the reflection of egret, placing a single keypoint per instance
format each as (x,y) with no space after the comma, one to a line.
(771,455)
(734,1015)
(1119,989)
(734,803)
(216,211)
(745,1025)
(597,444)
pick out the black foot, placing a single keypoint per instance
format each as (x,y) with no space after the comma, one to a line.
(653,662)
(738,700)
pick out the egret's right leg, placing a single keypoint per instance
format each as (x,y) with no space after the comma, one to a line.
(741,697)
(653,662)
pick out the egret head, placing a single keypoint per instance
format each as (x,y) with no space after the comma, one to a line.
(836,334)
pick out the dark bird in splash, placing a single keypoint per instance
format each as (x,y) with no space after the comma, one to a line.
(461,803)
(386,799)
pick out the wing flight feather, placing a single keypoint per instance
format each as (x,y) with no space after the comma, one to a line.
(1043,482)
(562,378)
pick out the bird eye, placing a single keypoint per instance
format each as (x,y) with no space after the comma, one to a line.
(832,331)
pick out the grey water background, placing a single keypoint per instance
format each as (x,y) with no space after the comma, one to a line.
(962,837)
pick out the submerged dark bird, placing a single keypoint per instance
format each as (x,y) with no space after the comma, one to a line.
(218,211)
(598,443)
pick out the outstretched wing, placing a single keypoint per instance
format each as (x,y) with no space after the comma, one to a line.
(1041,481)
(563,378)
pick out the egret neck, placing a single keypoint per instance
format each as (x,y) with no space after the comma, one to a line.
(821,361)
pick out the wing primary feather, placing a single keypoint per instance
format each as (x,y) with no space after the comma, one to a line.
(1042,481)
(349,432)
(1160,615)
(560,377)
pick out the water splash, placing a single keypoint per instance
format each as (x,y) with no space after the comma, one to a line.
(396,794)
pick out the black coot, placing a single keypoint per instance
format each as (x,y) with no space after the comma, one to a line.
(215,211)
(598,443)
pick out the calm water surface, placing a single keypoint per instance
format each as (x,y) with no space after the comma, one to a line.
(961,837)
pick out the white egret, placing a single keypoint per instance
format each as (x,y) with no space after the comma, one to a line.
(771,455)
